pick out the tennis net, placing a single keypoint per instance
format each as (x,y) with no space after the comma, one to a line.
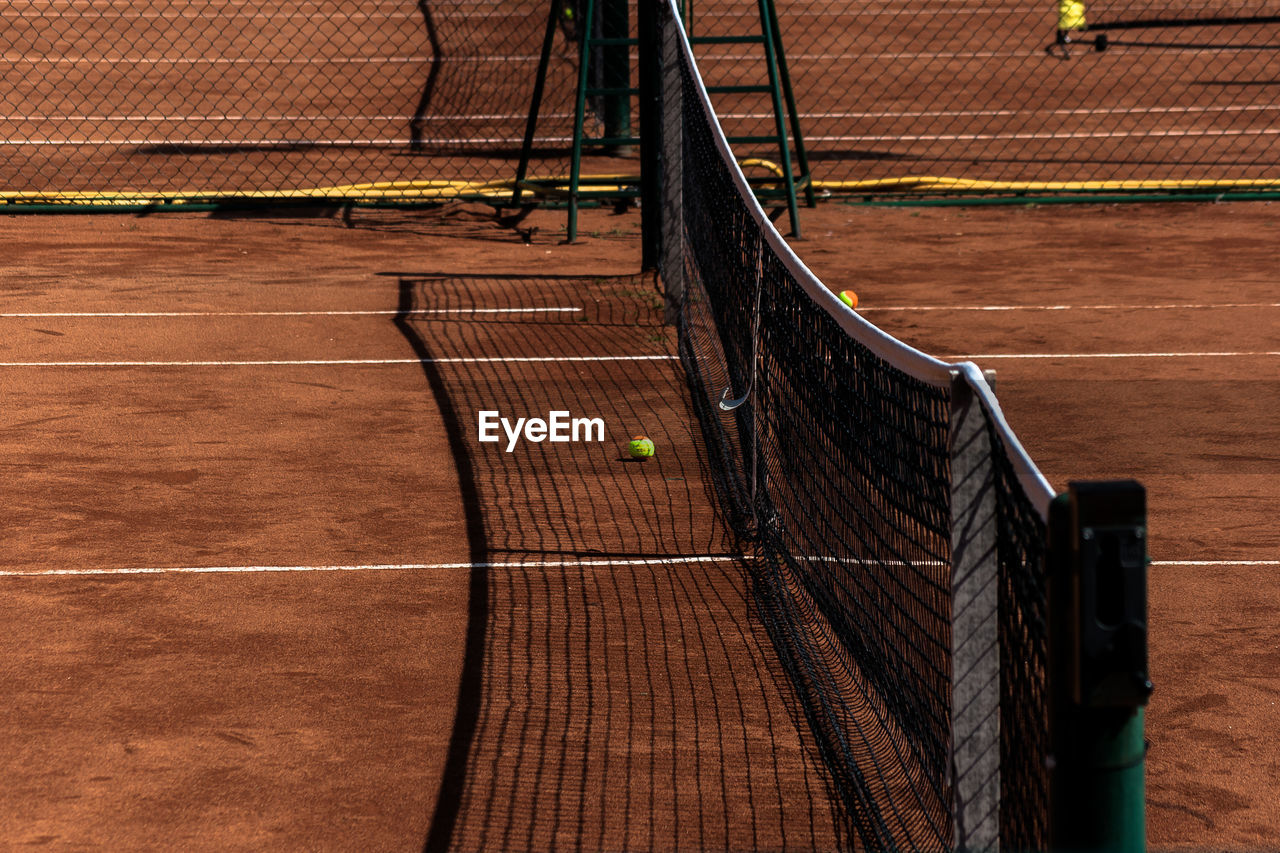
(875,486)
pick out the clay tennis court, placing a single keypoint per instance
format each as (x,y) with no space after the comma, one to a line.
(266,588)
(474,649)
(217,97)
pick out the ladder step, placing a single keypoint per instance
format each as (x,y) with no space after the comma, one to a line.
(726,40)
(610,140)
(612,90)
(800,181)
(739,90)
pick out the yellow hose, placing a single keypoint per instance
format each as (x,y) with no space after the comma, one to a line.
(930,183)
(440,190)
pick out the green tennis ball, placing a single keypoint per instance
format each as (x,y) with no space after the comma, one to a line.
(641,447)
(848,297)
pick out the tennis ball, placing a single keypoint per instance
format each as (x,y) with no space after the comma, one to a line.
(641,447)
(848,297)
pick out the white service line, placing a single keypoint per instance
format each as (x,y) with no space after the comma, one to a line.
(1085,355)
(408,567)
(1215,562)
(1084,111)
(14,59)
(710,58)
(42,7)
(374,567)
(323,362)
(280,143)
(988,137)
(214,117)
(223,16)
(876,139)
(1170,307)
(377,313)
(814,116)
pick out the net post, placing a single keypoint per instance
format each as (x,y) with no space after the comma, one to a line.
(975,658)
(666,142)
(1100,682)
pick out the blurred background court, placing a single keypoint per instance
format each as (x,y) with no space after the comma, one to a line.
(266,589)
(391,100)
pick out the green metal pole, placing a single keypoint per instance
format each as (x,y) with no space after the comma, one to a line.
(802,157)
(779,122)
(575,167)
(615,23)
(1099,678)
(1101,785)
(649,32)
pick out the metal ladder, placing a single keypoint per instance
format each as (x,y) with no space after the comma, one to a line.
(784,109)
(616,89)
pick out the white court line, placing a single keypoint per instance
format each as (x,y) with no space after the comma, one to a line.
(876,57)
(14,59)
(877,139)
(535,564)
(286,143)
(988,137)
(223,15)
(376,567)
(338,362)
(42,6)
(823,9)
(222,117)
(313,11)
(1169,307)
(1215,562)
(378,313)
(1085,355)
(814,116)
(1108,111)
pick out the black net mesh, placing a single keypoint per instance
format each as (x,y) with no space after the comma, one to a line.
(838,467)
(1024,664)
(835,466)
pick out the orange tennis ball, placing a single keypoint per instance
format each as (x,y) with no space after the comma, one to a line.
(848,297)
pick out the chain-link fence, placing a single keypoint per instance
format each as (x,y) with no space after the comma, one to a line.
(127,99)
(980,96)
(182,99)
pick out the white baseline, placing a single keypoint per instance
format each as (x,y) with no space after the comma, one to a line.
(373,567)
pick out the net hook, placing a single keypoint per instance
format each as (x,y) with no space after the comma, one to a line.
(727,405)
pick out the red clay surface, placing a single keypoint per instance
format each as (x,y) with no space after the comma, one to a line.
(603,698)
(139,95)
